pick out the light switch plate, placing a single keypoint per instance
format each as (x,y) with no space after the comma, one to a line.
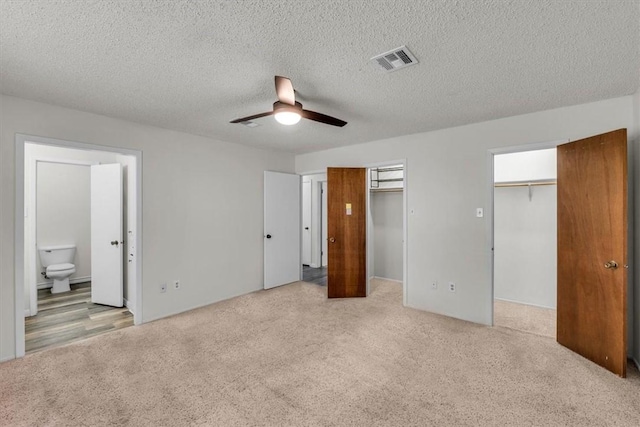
(479,212)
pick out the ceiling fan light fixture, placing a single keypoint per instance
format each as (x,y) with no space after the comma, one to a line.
(288,111)
(287,118)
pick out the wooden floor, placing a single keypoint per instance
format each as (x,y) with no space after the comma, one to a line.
(71,316)
(316,276)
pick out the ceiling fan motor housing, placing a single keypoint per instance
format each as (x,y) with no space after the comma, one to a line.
(282,107)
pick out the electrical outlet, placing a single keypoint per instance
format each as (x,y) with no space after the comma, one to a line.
(434,285)
(452,287)
(479,212)
(176,284)
(163,287)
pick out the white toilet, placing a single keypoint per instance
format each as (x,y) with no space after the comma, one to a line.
(58,263)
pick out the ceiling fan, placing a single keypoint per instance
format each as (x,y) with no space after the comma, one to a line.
(288,111)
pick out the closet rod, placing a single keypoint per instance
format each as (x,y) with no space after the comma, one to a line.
(386,190)
(383,170)
(389,180)
(524,184)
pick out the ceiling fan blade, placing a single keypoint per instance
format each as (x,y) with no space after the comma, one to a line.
(284,90)
(255,116)
(322,118)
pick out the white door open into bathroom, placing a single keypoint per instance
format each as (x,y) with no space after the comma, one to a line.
(106,234)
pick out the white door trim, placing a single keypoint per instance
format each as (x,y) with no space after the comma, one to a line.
(20,141)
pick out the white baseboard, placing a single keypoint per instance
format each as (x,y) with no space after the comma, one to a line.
(313,265)
(525,303)
(6,359)
(636,362)
(386,278)
(27,312)
(49,284)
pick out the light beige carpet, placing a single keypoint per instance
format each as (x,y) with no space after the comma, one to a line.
(289,356)
(526,318)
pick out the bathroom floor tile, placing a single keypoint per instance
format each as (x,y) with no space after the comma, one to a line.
(71,316)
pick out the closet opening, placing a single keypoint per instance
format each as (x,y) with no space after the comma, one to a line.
(525,241)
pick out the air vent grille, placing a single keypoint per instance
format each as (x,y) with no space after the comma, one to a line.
(394,60)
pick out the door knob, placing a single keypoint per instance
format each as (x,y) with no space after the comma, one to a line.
(611,264)
(306,228)
(114,242)
(332,239)
(268,236)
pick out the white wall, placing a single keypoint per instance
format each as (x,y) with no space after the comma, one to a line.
(386,214)
(525,229)
(448,176)
(525,242)
(525,166)
(64,213)
(202,207)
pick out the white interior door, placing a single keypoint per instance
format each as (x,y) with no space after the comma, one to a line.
(106,234)
(324,225)
(306,223)
(282,223)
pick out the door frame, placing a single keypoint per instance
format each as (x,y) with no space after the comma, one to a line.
(32,224)
(19,244)
(489,210)
(405,218)
(322,219)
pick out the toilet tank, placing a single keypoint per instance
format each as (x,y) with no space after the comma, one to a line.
(51,255)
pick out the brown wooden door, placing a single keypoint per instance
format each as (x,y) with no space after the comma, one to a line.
(347,232)
(592,232)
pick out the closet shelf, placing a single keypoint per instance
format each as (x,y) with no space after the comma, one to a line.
(525,183)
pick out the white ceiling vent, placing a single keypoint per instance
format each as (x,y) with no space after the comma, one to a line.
(394,60)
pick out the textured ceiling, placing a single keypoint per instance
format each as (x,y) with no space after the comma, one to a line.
(195,65)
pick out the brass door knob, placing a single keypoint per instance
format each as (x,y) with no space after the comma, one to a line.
(332,239)
(611,264)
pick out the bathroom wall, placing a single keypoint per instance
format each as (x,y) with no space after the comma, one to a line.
(63,198)
(386,213)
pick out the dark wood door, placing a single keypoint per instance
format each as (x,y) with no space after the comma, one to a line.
(347,232)
(592,249)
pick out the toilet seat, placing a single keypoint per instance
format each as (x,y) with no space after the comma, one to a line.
(57,268)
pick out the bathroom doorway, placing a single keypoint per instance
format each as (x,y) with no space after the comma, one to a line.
(60,284)
(314,255)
